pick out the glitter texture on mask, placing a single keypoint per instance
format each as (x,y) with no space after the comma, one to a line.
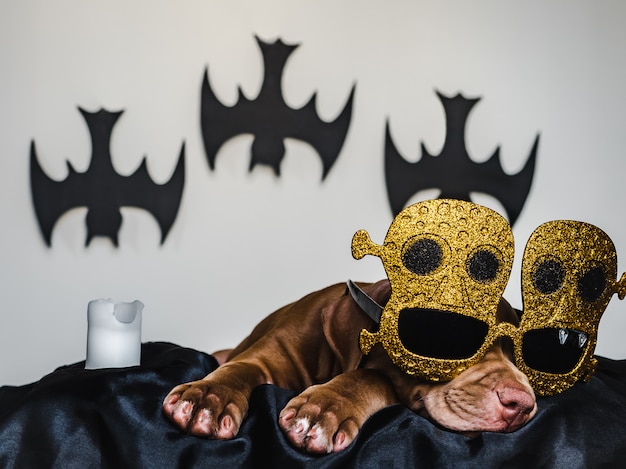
(582,262)
(451,256)
(439,274)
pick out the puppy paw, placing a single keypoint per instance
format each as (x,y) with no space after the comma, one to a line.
(326,418)
(320,421)
(206,408)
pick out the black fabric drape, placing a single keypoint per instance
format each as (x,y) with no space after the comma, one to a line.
(112,418)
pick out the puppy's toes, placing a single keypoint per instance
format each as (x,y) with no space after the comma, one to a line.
(227,428)
(205,409)
(316,428)
(220,427)
(178,410)
(202,424)
(323,437)
(297,433)
(346,434)
(319,440)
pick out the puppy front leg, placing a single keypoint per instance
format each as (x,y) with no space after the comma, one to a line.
(327,417)
(214,406)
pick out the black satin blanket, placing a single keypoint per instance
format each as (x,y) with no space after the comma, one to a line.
(77,418)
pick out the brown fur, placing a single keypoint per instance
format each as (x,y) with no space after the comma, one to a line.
(311,346)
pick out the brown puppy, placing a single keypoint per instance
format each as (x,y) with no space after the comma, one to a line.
(311,346)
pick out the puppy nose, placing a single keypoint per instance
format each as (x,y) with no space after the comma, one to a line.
(517,406)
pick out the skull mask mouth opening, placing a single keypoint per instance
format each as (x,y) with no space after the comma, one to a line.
(440,334)
(554,350)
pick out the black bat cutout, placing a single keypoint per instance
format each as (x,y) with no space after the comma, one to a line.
(270,119)
(102,190)
(453,171)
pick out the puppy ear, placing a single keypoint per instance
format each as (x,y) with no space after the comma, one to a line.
(343,321)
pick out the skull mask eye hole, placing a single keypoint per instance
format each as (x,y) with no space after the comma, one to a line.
(549,276)
(591,284)
(423,256)
(483,266)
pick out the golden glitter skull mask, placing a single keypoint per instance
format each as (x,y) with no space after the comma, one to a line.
(568,277)
(448,262)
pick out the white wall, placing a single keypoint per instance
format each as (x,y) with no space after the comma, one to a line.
(246,243)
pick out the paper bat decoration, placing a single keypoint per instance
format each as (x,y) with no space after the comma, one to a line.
(453,171)
(102,190)
(269,118)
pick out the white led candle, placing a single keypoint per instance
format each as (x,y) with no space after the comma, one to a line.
(113,334)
